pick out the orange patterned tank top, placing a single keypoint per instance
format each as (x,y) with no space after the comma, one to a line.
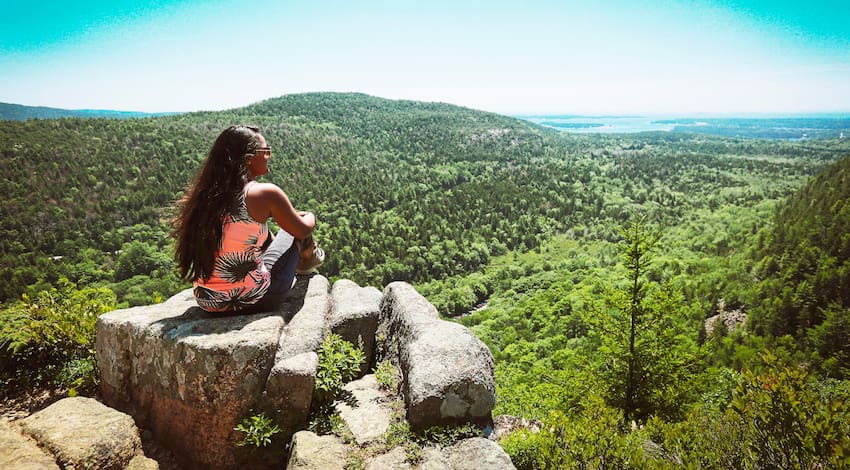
(239,279)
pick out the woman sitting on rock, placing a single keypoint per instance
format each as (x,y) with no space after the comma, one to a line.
(224,245)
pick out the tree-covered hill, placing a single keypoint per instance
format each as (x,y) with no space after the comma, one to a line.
(365,165)
(805,292)
(19,112)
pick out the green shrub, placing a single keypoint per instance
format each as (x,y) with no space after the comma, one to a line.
(445,436)
(258,430)
(778,418)
(339,362)
(386,375)
(523,446)
(48,340)
(592,439)
(79,376)
(787,424)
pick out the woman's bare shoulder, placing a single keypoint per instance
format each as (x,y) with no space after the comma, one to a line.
(263,190)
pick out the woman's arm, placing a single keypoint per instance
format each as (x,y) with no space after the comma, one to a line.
(266,199)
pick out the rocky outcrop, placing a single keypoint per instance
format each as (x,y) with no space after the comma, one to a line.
(730,319)
(288,391)
(447,373)
(191,376)
(312,452)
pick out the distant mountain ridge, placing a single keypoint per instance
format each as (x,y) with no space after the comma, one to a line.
(19,112)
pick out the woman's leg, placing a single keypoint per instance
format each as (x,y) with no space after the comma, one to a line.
(280,258)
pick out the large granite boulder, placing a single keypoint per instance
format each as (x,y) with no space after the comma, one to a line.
(447,373)
(83,433)
(191,376)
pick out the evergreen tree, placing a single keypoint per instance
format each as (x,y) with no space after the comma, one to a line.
(646,359)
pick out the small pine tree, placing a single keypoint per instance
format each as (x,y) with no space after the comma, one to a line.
(647,358)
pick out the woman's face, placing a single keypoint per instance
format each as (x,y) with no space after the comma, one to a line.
(258,163)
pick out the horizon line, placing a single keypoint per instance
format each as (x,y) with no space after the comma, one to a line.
(522,114)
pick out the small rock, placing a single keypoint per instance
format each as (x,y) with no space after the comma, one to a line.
(433,459)
(366,411)
(477,453)
(313,452)
(395,459)
(140,462)
(83,433)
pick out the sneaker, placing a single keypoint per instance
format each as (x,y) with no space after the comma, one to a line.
(307,264)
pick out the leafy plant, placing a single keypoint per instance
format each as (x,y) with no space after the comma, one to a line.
(399,434)
(326,420)
(339,362)
(445,436)
(591,439)
(80,376)
(386,375)
(777,418)
(787,423)
(258,430)
(49,339)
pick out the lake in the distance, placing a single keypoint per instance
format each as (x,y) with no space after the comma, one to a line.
(781,127)
(603,124)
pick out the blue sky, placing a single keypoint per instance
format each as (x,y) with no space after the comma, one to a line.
(530,56)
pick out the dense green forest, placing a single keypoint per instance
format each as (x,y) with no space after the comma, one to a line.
(587,263)
(765,128)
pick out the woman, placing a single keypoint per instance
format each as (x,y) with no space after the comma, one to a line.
(223,242)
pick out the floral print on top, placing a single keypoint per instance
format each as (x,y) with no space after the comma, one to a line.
(239,279)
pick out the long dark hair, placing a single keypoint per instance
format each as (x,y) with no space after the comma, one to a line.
(211,196)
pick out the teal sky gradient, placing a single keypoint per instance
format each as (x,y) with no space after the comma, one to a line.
(534,56)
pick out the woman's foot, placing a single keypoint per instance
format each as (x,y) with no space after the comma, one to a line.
(310,259)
